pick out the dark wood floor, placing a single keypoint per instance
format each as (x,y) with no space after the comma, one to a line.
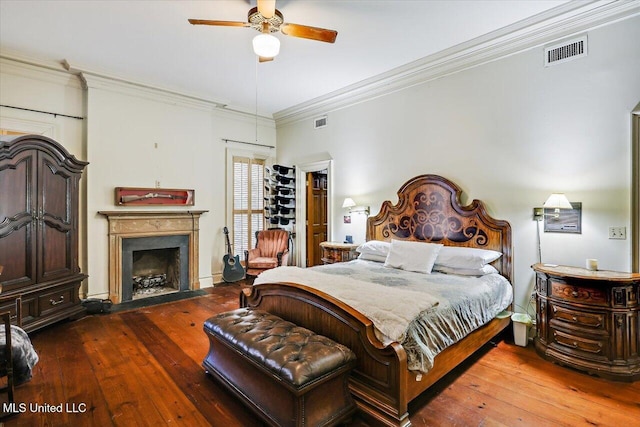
(142,367)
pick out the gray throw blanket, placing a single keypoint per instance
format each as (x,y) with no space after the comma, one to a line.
(390,309)
(24,355)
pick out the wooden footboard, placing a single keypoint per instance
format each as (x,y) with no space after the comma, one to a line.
(381,383)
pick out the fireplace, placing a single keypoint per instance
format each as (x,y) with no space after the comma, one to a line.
(152,252)
(154,266)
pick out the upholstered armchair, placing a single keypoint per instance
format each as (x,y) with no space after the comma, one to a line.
(272,250)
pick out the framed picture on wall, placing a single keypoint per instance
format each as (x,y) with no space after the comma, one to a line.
(564,220)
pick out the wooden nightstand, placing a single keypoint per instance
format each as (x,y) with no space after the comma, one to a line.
(589,320)
(338,252)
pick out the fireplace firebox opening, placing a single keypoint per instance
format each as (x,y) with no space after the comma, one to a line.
(154,266)
(155,272)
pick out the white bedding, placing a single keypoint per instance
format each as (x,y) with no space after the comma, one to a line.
(442,308)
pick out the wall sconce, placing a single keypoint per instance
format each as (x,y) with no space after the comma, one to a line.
(556,201)
(353,208)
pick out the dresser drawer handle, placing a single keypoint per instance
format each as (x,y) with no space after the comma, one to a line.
(575,294)
(60,301)
(574,318)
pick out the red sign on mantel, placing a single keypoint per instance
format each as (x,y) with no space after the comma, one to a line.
(128,196)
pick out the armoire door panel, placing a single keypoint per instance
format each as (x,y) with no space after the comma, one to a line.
(18,220)
(56,220)
(17,179)
(17,257)
(57,257)
(55,185)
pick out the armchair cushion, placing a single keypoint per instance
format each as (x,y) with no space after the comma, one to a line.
(264,262)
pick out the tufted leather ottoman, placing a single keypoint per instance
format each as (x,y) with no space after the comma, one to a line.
(290,376)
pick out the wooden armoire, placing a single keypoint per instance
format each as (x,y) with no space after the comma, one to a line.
(39,186)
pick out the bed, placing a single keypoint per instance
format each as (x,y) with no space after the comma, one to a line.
(428,210)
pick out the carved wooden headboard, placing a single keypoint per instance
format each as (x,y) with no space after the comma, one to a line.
(429,210)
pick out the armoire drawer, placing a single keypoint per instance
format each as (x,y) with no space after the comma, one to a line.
(27,305)
(56,300)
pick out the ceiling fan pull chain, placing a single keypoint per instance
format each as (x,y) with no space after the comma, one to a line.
(256,100)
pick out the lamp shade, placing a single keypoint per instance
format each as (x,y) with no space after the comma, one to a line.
(348,203)
(266,45)
(557,201)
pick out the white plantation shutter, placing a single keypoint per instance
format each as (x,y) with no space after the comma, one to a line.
(248,202)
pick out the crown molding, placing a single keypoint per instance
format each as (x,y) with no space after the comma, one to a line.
(99,80)
(23,66)
(571,18)
(65,73)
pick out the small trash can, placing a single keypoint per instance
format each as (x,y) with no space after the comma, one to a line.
(521,324)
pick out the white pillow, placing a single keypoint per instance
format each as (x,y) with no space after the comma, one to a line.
(486,269)
(460,257)
(375,247)
(412,256)
(372,257)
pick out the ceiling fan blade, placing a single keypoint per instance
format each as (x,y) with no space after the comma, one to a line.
(267,8)
(306,32)
(264,59)
(221,23)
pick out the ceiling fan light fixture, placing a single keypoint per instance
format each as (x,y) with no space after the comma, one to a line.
(266,45)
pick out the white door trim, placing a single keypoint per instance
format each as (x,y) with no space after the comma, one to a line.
(635,189)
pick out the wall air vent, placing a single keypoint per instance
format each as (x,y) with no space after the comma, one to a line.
(320,122)
(565,51)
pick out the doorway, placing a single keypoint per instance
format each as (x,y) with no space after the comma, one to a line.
(323,167)
(316,216)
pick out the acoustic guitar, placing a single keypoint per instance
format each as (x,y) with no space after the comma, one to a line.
(233,270)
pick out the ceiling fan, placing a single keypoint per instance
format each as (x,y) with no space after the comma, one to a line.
(267,19)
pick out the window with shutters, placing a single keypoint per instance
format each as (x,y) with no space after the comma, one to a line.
(248,202)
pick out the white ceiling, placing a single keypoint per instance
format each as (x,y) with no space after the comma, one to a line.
(151,42)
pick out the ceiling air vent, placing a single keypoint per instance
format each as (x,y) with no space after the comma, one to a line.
(320,122)
(565,51)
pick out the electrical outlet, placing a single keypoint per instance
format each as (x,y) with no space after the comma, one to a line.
(618,233)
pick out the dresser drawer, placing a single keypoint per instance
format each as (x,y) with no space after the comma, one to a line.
(56,300)
(572,317)
(578,294)
(588,348)
(589,320)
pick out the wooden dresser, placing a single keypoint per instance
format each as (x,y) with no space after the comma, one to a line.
(589,320)
(39,190)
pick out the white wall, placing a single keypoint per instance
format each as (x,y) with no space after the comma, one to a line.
(509,133)
(124,122)
(38,88)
